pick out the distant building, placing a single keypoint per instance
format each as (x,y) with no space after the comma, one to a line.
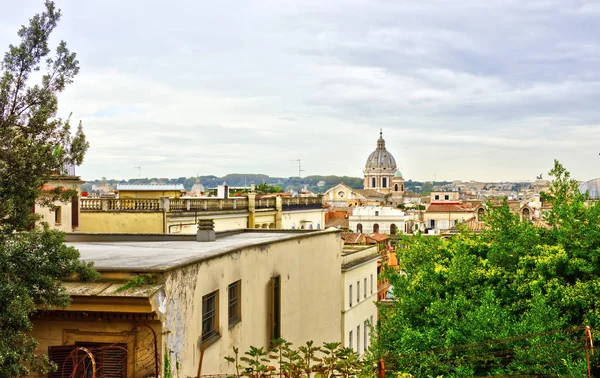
(378,219)
(150,191)
(359,287)
(381,174)
(62,216)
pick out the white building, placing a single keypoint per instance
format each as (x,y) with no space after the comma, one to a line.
(359,280)
(381,219)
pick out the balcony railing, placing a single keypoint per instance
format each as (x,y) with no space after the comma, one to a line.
(195,204)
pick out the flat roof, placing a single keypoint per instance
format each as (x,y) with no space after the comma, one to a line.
(160,253)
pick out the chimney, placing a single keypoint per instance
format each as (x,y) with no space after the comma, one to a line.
(206,230)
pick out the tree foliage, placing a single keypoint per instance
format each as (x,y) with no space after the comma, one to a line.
(34,145)
(490,304)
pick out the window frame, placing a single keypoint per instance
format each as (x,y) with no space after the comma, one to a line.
(358,291)
(58,215)
(212,333)
(365,288)
(350,295)
(234,303)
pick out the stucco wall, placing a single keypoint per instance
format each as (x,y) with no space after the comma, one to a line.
(182,225)
(446,220)
(295,219)
(47,215)
(121,222)
(309,268)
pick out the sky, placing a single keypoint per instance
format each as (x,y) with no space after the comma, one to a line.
(463,89)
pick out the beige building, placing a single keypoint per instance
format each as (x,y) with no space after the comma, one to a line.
(359,277)
(63,216)
(440,216)
(378,219)
(172,215)
(150,191)
(197,301)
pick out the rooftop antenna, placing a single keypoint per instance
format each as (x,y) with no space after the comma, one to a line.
(300,170)
(139,171)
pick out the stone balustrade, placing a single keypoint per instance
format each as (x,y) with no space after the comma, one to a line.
(188,204)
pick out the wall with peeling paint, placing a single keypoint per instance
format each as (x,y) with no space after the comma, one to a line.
(311,283)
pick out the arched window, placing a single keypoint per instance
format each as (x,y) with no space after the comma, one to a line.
(310,226)
(396,188)
(376,228)
(402,187)
(318,226)
(359,228)
(393,229)
(480,213)
(526,214)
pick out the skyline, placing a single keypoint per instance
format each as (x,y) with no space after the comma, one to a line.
(463,91)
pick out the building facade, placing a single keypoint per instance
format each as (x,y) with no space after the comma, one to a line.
(378,219)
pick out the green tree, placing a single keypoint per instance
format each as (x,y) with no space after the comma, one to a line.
(34,145)
(489,304)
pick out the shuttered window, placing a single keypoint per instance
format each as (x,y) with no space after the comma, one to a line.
(110,359)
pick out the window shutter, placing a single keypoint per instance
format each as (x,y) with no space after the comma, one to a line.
(112,361)
(75,212)
(65,363)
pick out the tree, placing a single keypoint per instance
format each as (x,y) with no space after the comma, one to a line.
(34,145)
(498,303)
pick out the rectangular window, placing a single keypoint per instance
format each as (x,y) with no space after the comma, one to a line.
(366,336)
(446,197)
(210,325)
(57,214)
(373,182)
(437,197)
(384,182)
(275,308)
(365,288)
(357,293)
(350,341)
(234,293)
(350,295)
(372,321)
(376,213)
(358,339)
(371,284)
(111,360)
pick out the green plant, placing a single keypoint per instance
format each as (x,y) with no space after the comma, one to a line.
(137,281)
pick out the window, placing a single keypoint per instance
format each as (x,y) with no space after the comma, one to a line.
(446,197)
(57,215)
(396,188)
(275,308)
(376,213)
(234,293)
(432,223)
(111,360)
(371,284)
(437,197)
(350,345)
(350,296)
(357,293)
(358,339)
(359,228)
(365,288)
(210,324)
(341,194)
(373,182)
(75,212)
(384,182)
(376,228)
(366,335)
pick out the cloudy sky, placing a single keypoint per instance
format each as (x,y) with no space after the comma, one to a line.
(463,89)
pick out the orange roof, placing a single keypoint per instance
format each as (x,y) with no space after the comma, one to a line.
(449,207)
(47,188)
(379,237)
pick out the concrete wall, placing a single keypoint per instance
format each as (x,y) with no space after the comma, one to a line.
(362,309)
(121,222)
(310,310)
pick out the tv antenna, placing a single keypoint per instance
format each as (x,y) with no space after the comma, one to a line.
(300,170)
(139,171)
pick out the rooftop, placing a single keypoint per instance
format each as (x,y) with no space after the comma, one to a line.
(159,253)
(150,187)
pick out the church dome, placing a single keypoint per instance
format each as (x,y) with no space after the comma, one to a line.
(381,158)
(398,174)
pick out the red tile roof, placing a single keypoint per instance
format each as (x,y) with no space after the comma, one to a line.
(449,207)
